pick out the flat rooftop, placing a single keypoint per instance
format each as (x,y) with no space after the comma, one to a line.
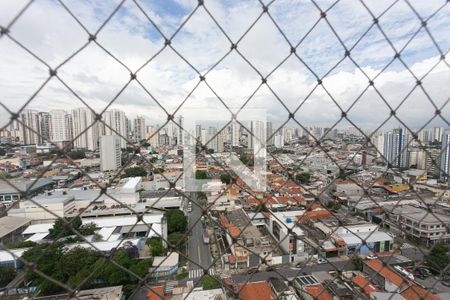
(9,224)
(23,184)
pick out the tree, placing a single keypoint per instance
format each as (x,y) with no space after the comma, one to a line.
(176,239)
(201,175)
(45,257)
(88,229)
(261,208)
(25,244)
(246,161)
(135,172)
(357,262)
(225,178)
(303,177)
(210,283)
(156,246)
(158,171)
(74,266)
(438,257)
(6,275)
(60,229)
(176,221)
(76,154)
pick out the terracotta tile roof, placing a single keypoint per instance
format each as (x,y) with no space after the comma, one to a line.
(234,231)
(415,292)
(386,272)
(255,291)
(318,292)
(364,283)
(389,189)
(156,293)
(315,215)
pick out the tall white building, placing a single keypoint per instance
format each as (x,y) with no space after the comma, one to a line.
(85,136)
(116,124)
(258,133)
(110,153)
(204,136)
(445,156)
(45,127)
(198,132)
(288,134)
(269,132)
(212,138)
(221,137)
(30,128)
(139,128)
(438,133)
(396,147)
(380,144)
(152,136)
(180,131)
(61,126)
(235,133)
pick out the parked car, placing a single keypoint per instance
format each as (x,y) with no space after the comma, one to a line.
(371,256)
(446,282)
(321,261)
(424,271)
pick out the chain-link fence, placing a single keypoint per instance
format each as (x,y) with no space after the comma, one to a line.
(349,214)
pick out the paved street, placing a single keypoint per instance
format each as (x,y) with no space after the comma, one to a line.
(291,272)
(430,282)
(198,250)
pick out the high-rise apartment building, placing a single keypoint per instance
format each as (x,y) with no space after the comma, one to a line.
(85,136)
(152,136)
(212,138)
(235,133)
(269,132)
(258,133)
(445,156)
(139,129)
(396,147)
(110,153)
(438,133)
(61,126)
(45,127)
(29,127)
(116,123)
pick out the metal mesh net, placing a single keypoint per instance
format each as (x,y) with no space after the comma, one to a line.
(329,222)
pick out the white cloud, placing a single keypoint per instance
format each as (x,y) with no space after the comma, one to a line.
(49,32)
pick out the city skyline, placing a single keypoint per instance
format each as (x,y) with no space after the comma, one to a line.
(96,78)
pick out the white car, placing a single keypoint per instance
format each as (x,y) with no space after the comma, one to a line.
(321,261)
(371,257)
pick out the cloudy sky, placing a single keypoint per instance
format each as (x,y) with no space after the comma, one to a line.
(200,47)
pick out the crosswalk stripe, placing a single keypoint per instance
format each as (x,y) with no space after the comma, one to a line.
(199,273)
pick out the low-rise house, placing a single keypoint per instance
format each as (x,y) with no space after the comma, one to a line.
(418,223)
(11,228)
(164,266)
(255,291)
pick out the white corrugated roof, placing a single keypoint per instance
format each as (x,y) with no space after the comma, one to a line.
(38,228)
(106,232)
(104,245)
(6,256)
(37,237)
(358,237)
(123,220)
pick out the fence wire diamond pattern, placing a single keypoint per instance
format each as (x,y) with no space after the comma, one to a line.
(338,51)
